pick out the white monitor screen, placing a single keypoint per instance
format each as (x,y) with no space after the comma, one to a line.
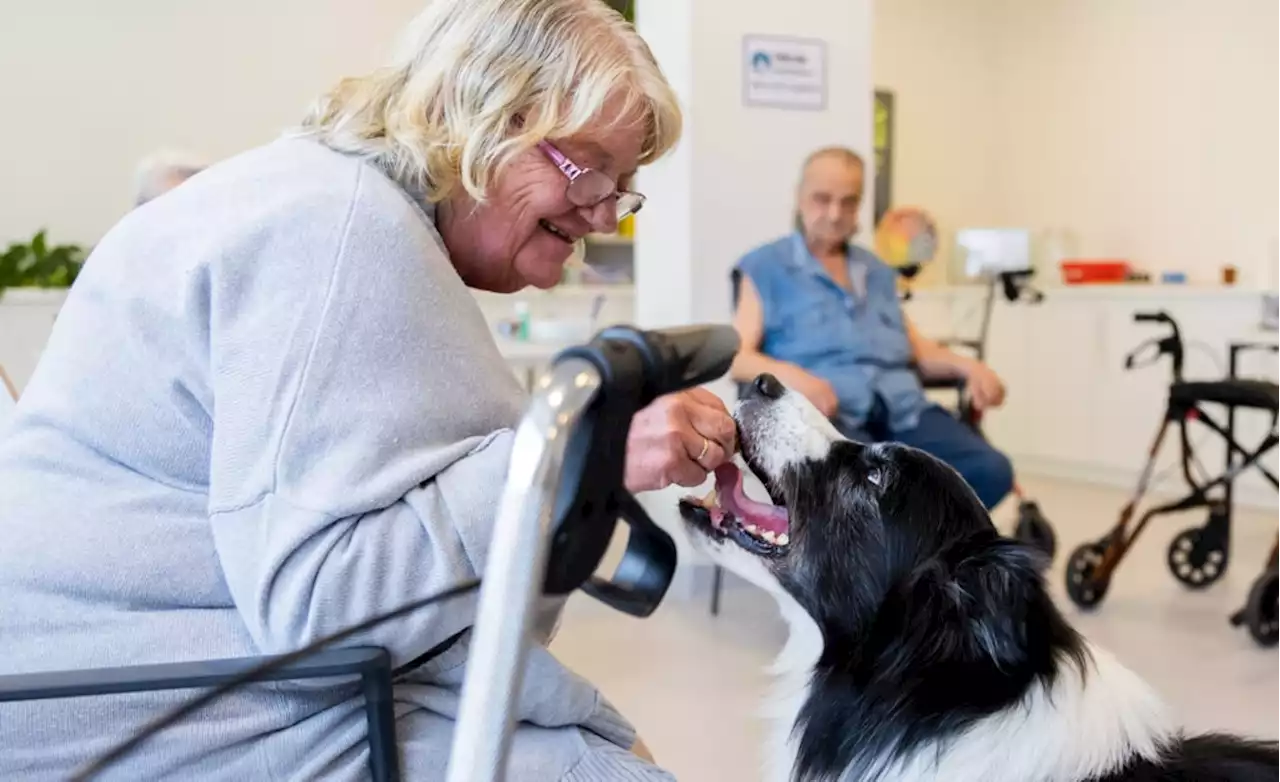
(989,251)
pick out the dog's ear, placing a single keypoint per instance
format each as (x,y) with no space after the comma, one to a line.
(996,590)
(981,596)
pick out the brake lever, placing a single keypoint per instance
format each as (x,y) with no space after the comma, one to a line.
(1132,359)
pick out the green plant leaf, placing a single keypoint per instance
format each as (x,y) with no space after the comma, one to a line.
(39,264)
(38,246)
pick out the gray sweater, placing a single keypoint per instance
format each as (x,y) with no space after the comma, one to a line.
(269,409)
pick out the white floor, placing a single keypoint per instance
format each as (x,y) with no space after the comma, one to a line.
(691,682)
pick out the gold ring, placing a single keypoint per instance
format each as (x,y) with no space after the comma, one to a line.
(706,446)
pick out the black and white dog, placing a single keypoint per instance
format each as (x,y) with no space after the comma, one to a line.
(923,645)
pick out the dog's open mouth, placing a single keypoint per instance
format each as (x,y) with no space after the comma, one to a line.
(727,512)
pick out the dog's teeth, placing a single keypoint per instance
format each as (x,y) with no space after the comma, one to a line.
(783,539)
(753,529)
(768,535)
(709,501)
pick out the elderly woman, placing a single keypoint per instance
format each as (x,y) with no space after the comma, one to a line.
(271,408)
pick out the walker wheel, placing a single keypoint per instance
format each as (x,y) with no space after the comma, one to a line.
(1260,612)
(1197,559)
(1083,589)
(1034,530)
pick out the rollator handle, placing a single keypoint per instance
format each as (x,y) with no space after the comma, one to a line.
(1171,344)
(636,367)
(563,498)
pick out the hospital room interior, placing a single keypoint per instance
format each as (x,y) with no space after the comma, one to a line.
(1054,226)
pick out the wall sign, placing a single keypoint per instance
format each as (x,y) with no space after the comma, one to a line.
(788,73)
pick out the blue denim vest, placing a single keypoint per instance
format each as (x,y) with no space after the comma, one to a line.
(858,344)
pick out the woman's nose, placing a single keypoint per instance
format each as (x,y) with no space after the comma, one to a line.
(603,216)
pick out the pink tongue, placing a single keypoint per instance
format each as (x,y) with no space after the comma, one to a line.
(734,500)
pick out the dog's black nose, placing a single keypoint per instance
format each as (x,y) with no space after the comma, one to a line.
(769,386)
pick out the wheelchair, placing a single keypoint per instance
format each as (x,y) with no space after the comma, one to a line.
(561,504)
(1198,556)
(1032,527)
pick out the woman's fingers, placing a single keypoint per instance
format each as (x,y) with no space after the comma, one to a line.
(679,439)
(709,418)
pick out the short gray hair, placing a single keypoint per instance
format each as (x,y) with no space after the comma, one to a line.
(161,171)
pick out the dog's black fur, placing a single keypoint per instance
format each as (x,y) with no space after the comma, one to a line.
(930,619)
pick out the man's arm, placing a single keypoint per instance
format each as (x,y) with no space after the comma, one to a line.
(748,320)
(936,361)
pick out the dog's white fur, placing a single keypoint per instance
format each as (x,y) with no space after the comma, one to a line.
(800,430)
(794,663)
(1085,723)
(1081,726)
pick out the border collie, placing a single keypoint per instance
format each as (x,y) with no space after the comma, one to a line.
(923,645)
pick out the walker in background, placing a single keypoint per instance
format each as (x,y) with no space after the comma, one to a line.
(1198,556)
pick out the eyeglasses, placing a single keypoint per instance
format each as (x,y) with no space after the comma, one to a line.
(588,187)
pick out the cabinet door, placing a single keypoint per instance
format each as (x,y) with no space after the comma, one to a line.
(1008,354)
(1133,401)
(1065,345)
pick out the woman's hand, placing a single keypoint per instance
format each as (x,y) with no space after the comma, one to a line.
(985,388)
(679,439)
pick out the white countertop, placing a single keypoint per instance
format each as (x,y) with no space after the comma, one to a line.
(529,352)
(1109,291)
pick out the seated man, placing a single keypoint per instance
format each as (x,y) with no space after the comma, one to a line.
(823,316)
(161,172)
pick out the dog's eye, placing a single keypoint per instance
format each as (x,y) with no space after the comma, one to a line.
(874,477)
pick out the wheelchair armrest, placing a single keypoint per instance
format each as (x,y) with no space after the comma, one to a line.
(943,383)
(971,345)
(371,663)
(363,661)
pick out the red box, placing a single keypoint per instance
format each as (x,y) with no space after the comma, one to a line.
(1093,272)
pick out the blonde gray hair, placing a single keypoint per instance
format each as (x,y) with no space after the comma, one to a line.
(477,82)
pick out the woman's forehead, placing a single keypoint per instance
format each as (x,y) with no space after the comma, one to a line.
(614,140)
(613,149)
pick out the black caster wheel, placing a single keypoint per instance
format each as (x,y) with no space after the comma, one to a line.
(1260,611)
(1083,589)
(1197,559)
(1034,530)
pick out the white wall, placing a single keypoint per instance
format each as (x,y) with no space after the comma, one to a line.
(731,185)
(91,87)
(939,59)
(1147,127)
